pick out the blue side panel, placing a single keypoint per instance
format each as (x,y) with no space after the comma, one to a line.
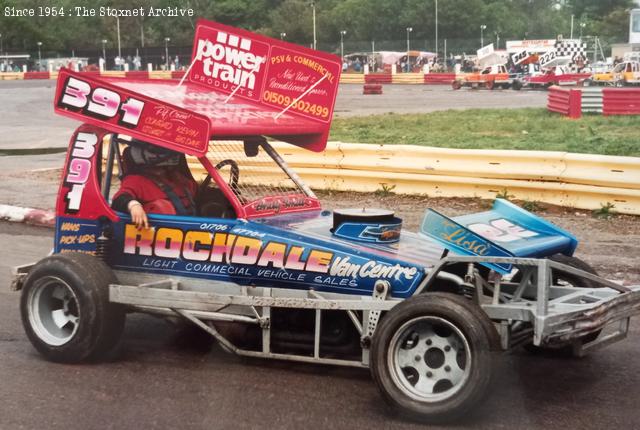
(253,253)
(457,238)
(519,231)
(76,235)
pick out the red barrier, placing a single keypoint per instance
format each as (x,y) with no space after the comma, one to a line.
(378,78)
(564,101)
(137,74)
(177,74)
(372,89)
(439,78)
(621,101)
(37,75)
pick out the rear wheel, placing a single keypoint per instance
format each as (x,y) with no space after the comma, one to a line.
(456,85)
(489,85)
(431,356)
(66,311)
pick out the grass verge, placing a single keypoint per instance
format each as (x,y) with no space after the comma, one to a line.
(525,129)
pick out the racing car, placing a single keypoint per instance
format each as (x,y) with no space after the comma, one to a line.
(557,75)
(490,77)
(624,74)
(268,272)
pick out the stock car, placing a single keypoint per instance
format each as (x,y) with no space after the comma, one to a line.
(269,273)
(558,75)
(626,73)
(490,77)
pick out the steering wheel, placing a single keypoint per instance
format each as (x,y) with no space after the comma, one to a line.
(211,201)
(234,176)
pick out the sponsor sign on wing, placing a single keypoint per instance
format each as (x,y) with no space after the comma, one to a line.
(267,71)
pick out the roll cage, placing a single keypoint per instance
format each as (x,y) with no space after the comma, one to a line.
(271,188)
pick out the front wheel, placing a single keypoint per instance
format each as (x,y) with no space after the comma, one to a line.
(456,85)
(431,356)
(66,311)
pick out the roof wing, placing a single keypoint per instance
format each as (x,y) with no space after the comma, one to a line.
(276,75)
(119,109)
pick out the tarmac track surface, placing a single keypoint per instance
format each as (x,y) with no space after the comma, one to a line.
(26,107)
(157,382)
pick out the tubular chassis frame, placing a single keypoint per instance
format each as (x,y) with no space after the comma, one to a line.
(531,311)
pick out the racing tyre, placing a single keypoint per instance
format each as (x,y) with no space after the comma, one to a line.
(489,85)
(517,85)
(66,311)
(570,279)
(456,85)
(431,356)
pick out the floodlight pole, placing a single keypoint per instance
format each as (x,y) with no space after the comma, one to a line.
(342,33)
(436,29)
(482,29)
(313,8)
(118,30)
(166,51)
(104,52)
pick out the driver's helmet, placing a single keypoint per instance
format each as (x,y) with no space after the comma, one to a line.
(145,155)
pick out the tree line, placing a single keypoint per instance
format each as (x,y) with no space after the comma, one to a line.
(363,20)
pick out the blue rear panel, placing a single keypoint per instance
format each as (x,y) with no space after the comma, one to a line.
(505,230)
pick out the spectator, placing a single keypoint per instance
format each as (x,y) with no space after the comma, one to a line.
(357,66)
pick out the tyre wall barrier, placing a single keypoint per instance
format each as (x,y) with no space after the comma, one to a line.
(372,89)
(621,101)
(352,78)
(407,78)
(573,180)
(378,78)
(177,74)
(36,75)
(439,78)
(137,74)
(345,78)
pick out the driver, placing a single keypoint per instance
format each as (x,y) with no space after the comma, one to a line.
(156,180)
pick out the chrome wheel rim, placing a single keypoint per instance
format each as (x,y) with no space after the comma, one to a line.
(53,311)
(429,358)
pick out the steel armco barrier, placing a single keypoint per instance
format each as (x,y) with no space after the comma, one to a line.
(608,101)
(574,180)
(592,100)
(621,101)
(565,101)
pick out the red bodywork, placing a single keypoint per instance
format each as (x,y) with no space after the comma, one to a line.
(551,78)
(257,87)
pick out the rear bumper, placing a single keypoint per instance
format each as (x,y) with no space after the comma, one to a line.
(567,327)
